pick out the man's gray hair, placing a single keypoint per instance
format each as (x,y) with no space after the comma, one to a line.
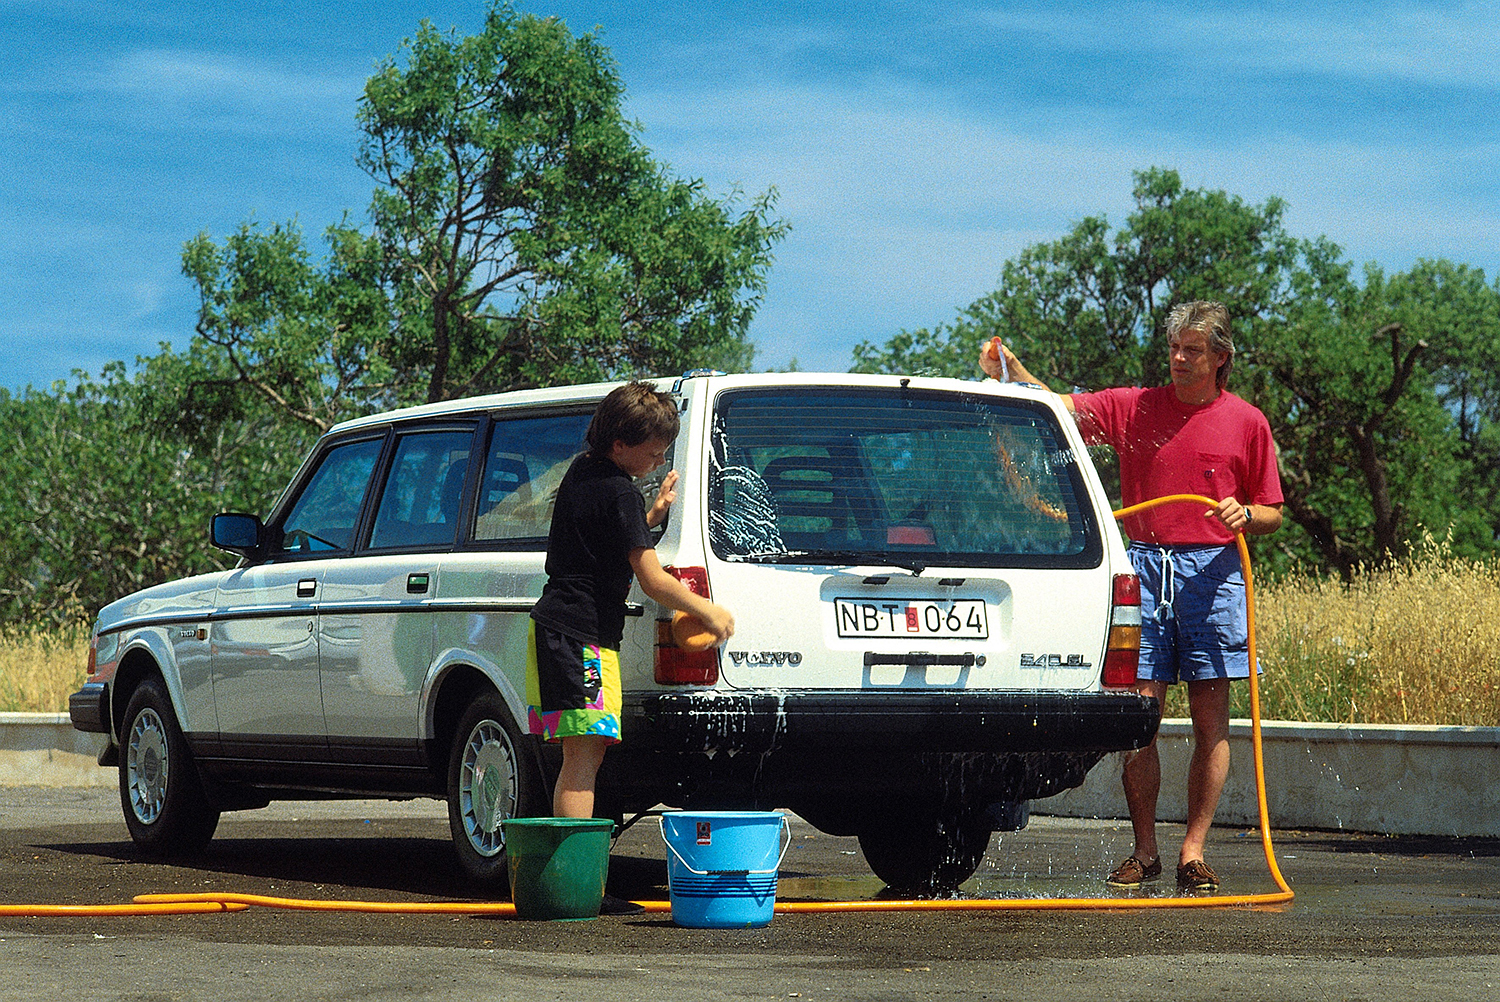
(1212,319)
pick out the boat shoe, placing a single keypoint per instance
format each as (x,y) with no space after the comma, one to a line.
(1132,872)
(1196,875)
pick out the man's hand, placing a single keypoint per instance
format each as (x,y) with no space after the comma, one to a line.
(993,363)
(1232,514)
(999,362)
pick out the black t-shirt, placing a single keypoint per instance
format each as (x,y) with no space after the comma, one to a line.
(598,519)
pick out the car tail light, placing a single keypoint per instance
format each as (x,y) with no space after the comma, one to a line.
(1122,654)
(696,578)
(93,665)
(675,666)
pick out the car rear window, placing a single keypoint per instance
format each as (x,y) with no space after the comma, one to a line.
(420,503)
(845,475)
(523,467)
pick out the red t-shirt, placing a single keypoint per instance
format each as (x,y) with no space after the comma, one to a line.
(1218,450)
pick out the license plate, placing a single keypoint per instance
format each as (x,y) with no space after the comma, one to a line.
(957,619)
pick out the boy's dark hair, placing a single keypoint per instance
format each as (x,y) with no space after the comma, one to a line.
(632,414)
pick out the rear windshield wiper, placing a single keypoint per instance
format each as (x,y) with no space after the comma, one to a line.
(916,567)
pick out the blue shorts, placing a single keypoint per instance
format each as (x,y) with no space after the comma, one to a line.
(1193,622)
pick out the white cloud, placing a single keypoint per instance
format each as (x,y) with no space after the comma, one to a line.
(148,295)
(913,155)
(1421,44)
(904,210)
(1453,44)
(163,77)
(834,152)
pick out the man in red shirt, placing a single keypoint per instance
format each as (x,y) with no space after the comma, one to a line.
(1190,437)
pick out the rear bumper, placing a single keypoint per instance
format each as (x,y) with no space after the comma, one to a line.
(906,721)
(847,760)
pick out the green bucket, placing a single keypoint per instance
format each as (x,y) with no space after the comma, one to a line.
(557,866)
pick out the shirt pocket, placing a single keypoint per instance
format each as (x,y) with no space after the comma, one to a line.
(1217,477)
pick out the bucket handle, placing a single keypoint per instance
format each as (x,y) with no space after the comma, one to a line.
(786,829)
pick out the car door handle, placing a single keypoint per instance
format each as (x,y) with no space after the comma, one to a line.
(307,587)
(416,584)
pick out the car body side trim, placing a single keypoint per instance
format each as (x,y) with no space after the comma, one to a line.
(523,605)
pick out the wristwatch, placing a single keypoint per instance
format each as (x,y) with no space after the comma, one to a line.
(1249,516)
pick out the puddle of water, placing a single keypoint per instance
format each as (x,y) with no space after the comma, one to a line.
(1020,887)
(1375,898)
(1034,886)
(852,888)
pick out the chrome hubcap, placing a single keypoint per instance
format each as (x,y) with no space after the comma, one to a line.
(146,766)
(487,787)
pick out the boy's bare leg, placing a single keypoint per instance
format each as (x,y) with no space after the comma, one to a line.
(574,795)
(1208,702)
(1142,779)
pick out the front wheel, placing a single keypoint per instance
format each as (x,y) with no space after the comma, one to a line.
(490,779)
(923,854)
(161,794)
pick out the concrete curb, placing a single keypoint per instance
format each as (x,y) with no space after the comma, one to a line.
(1385,778)
(43,749)
(1372,778)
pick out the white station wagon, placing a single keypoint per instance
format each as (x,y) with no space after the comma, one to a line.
(936,623)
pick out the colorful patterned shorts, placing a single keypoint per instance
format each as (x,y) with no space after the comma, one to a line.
(572,688)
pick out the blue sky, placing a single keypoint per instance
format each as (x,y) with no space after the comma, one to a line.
(915,146)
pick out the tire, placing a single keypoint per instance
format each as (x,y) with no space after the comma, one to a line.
(923,854)
(161,793)
(491,777)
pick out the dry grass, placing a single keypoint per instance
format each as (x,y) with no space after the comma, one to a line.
(1413,643)
(39,669)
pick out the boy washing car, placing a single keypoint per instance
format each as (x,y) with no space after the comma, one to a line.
(599,539)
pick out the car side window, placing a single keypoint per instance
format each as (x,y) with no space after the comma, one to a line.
(419,505)
(523,467)
(326,513)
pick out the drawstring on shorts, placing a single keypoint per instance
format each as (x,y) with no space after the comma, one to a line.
(1164,609)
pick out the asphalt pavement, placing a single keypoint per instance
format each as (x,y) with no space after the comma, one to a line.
(1373,917)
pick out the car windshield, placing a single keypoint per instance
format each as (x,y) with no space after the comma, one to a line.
(898,477)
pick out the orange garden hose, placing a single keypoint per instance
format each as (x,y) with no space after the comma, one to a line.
(139,907)
(220,902)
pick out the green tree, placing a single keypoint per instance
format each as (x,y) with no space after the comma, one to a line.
(1088,309)
(520,236)
(315,343)
(1451,308)
(102,496)
(1370,452)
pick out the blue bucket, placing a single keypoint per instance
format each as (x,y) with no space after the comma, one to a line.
(721,866)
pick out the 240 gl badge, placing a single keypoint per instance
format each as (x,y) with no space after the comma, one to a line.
(1054,661)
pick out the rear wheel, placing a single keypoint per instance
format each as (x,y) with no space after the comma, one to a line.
(490,779)
(923,853)
(161,794)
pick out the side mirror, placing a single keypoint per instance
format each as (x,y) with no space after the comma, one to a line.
(238,533)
